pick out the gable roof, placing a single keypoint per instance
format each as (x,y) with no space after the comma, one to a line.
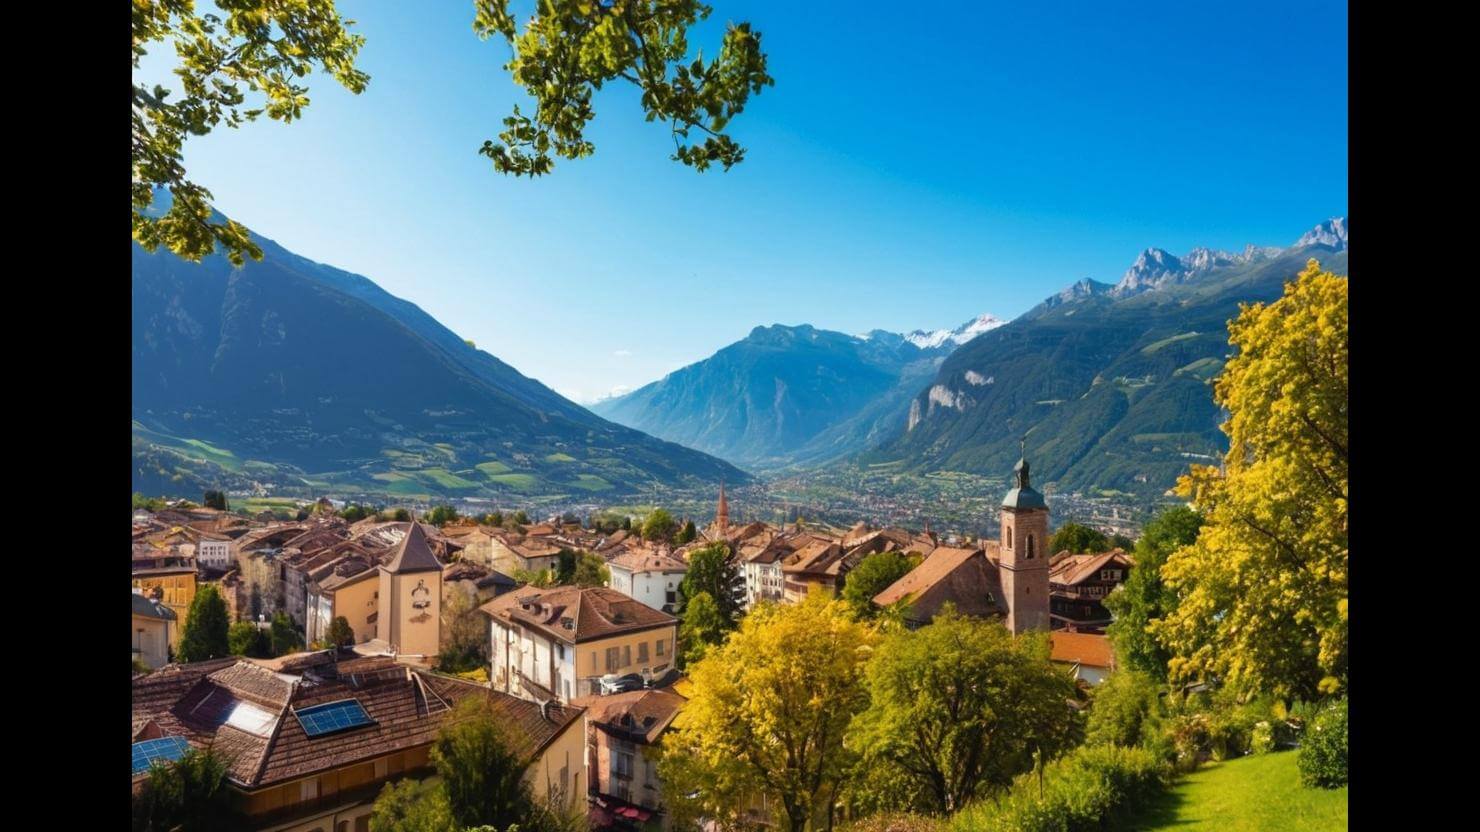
(576,614)
(149,608)
(964,577)
(413,554)
(648,560)
(199,702)
(641,715)
(1069,569)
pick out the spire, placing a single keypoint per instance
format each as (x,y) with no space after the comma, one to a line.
(1022,495)
(413,554)
(722,515)
(1021,469)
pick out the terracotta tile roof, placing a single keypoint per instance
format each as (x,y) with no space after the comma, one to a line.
(642,715)
(407,707)
(639,560)
(1069,570)
(1087,649)
(576,614)
(964,577)
(815,557)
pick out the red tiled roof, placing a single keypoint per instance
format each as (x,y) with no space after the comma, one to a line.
(964,577)
(1087,649)
(576,614)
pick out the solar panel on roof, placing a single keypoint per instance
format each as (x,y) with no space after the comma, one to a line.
(162,750)
(329,717)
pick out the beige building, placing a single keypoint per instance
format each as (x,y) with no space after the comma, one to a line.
(154,632)
(557,644)
(351,590)
(409,618)
(314,737)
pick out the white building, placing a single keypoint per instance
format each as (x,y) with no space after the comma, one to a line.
(648,576)
(217,552)
(763,579)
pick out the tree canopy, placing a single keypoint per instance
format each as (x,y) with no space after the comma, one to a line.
(767,715)
(205,634)
(712,571)
(581,569)
(441,515)
(480,772)
(234,69)
(659,525)
(245,638)
(874,574)
(958,708)
(1263,591)
(190,793)
(1077,539)
(702,627)
(1144,597)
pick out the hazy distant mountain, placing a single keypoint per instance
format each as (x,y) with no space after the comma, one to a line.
(1111,385)
(296,373)
(788,394)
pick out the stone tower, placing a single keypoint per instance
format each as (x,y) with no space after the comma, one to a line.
(1023,554)
(409,615)
(722,515)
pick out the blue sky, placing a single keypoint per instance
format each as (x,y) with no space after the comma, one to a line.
(915,165)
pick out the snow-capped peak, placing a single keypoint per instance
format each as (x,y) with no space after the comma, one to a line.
(932,339)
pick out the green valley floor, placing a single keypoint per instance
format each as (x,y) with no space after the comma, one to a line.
(1251,793)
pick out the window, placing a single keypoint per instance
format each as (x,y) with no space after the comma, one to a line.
(642,652)
(622,765)
(626,655)
(1030,547)
(660,646)
(672,597)
(308,789)
(560,652)
(593,661)
(1009,537)
(382,768)
(612,654)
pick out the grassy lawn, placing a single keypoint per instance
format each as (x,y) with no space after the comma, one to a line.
(1261,792)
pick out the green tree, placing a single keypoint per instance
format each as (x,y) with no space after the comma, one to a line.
(355,512)
(659,525)
(412,806)
(285,636)
(480,771)
(702,627)
(626,524)
(440,516)
(767,715)
(713,571)
(1126,709)
(260,49)
(1121,542)
(204,635)
(1144,597)
(191,793)
(975,702)
(590,570)
(1262,593)
(340,632)
(495,519)
(464,631)
(687,534)
(401,515)
(874,574)
(245,638)
(215,499)
(1077,539)
(520,518)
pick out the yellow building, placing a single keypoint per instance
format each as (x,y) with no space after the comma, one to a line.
(172,586)
(558,643)
(351,590)
(314,737)
(409,620)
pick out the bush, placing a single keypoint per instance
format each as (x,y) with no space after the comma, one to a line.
(1091,788)
(895,822)
(1125,710)
(1261,741)
(1322,755)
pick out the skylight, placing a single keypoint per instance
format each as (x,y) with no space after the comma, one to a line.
(252,719)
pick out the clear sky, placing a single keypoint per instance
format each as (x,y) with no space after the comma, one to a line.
(915,165)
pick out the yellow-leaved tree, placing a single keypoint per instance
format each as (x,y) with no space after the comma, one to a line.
(1262,593)
(763,729)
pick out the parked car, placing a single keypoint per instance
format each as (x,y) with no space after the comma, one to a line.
(620,684)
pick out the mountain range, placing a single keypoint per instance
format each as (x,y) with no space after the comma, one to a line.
(288,372)
(1110,383)
(791,394)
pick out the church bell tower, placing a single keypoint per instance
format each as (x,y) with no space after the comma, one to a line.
(1023,554)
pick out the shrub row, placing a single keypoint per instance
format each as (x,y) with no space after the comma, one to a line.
(1322,759)
(1087,789)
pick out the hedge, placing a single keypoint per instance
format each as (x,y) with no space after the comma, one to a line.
(1084,790)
